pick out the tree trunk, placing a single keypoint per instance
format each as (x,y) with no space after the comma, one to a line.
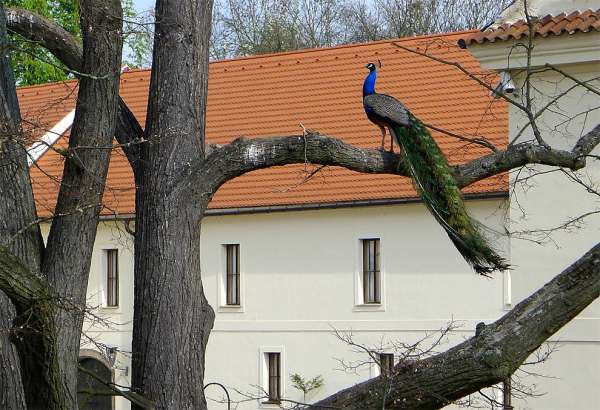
(49,357)
(172,318)
(17,216)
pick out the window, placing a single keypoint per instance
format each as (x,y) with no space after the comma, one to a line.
(233,275)
(274,377)
(112,277)
(371,274)
(386,363)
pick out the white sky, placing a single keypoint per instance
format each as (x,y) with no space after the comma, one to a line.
(144,5)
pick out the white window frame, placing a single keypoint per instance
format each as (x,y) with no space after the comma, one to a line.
(222,305)
(359,303)
(104,277)
(263,374)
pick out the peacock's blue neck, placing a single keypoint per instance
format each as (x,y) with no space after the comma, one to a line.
(369,84)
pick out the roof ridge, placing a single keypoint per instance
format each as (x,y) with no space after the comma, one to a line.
(576,21)
(42,85)
(341,46)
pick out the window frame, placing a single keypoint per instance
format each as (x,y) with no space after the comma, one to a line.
(264,376)
(232,275)
(222,279)
(111,277)
(359,278)
(371,271)
(274,377)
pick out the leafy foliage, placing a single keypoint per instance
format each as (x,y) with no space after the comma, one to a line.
(138,34)
(306,385)
(31,63)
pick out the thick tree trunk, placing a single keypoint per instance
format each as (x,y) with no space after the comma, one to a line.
(17,215)
(172,318)
(72,234)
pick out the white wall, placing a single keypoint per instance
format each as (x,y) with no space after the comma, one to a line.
(299,270)
(299,274)
(548,200)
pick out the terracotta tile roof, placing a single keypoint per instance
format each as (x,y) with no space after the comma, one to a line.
(577,21)
(320,88)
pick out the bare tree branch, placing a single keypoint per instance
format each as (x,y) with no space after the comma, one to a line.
(488,358)
(245,155)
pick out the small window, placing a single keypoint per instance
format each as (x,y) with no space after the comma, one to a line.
(112,278)
(371,275)
(233,275)
(274,377)
(386,363)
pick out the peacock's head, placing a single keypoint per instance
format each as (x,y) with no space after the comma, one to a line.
(371,67)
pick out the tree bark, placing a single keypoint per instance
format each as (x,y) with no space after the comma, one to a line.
(244,155)
(172,318)
(17,212)
(71,238)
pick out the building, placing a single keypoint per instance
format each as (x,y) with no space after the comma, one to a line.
(283,255)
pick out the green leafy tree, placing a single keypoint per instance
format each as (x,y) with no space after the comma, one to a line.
(31,63)
(138,30)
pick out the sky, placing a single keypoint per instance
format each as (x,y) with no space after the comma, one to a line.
(144,5)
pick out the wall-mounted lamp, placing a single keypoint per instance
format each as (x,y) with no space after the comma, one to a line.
(504,86)
(111,354)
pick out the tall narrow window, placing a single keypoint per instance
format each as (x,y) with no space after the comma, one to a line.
(112,277)
(233,274)
(274,377)
(386,363)
(371,285)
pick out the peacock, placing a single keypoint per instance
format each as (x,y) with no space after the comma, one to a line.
(431,176)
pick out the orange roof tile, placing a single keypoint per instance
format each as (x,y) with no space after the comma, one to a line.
(320,88)
(577,21)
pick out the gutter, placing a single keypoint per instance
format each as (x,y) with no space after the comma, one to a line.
(317,206)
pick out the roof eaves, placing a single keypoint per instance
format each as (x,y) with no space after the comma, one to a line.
(576,21)
(41,146)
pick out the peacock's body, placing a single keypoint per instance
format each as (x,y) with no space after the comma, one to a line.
(432,177)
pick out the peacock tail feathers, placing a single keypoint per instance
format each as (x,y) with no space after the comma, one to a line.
(435,182)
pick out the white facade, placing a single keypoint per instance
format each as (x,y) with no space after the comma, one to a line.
(299,283)
(300,277)
(549,200)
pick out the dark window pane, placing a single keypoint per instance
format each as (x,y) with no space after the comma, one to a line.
(112,277)
(274,376)
(386,363)
(233,274)
(371,285)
